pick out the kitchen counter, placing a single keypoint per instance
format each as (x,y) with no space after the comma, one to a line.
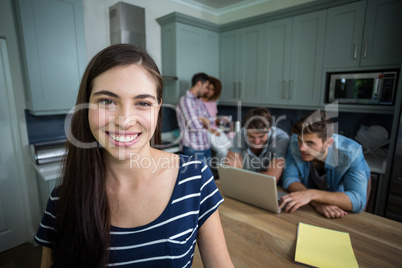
(49,171)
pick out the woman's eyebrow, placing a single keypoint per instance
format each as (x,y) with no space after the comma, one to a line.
(144,96)
(114,95)
(106,92)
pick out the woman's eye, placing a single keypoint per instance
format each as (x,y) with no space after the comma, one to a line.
(105,101)
(144,104)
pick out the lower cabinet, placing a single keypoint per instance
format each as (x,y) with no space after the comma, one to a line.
(394,204)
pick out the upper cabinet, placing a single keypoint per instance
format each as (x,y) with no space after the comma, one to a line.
(53,44)
(364,33)
(189,46)
(277,63)
(240,67)
(382,33)
(293,58)
(276,60)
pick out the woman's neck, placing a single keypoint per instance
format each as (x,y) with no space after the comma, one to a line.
(138,166)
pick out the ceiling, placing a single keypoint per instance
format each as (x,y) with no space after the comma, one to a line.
(219,7)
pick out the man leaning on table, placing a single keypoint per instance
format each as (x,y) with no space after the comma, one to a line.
(259,146)
(324,169)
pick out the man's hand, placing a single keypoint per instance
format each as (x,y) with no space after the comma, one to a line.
(207,125)
(291,202)
(329,211)
(205,122)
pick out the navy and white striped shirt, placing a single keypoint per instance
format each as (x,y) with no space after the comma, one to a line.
(170,239)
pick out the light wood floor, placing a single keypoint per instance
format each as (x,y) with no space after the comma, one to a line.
(23,256)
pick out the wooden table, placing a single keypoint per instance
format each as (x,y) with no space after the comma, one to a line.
(259,238)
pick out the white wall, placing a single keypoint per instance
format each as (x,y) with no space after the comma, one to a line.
(96,17)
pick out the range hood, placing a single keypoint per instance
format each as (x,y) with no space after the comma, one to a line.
(127,24)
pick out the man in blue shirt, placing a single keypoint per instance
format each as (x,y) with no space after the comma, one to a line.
(324,169)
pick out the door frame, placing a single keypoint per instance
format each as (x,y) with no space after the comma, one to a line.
(18,150)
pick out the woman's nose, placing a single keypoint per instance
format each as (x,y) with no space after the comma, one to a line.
(126,118)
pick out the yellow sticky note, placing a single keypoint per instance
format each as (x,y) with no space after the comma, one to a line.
(323,247)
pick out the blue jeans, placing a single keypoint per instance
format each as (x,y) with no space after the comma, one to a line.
(204,155)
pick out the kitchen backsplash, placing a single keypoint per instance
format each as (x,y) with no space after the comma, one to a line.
(50,128)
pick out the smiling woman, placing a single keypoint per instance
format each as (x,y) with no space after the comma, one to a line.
(126,110)
(113,206)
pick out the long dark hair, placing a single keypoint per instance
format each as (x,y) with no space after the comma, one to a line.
(83,216)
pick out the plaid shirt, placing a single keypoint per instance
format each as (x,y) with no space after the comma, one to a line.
(189,109)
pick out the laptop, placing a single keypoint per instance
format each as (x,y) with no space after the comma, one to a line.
(250,187)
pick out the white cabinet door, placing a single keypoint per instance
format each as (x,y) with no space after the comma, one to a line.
(250,88)
(53,42)
(293,58)
(307,59)
(230,60)
(344,33)
(13,228)
(364,33)
(241,65)
(276,60)
(186,50)
(170,84)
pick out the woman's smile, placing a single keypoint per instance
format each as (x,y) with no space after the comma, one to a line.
(124,140)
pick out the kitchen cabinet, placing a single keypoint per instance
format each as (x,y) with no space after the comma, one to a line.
(186,50)
(307,59)
(364,33)
(276,63)
(53,45)
(276,60)
(293,59)
(240,67)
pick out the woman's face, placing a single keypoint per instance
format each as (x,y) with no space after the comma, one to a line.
(126,110)
(210,92)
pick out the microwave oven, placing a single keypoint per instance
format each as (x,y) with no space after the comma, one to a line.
(378,87)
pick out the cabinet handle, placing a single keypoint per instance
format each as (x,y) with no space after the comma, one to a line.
(291,90)
(355,52)
(234,89)
(284,89)
(239,89)
(365,49)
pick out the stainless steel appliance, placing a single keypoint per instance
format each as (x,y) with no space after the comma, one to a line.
(48,152)
(127,24)
(375,87)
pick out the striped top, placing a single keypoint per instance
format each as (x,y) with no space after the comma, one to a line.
(170,239)
(189,109)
